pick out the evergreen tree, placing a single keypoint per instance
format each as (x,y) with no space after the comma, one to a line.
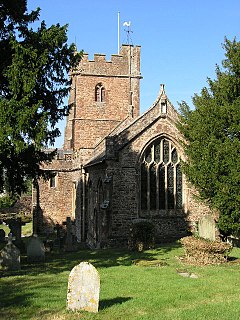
(212,140)
(34,67)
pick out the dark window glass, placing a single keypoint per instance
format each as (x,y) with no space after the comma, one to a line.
(153,187)
(144,186)
(157,152)
(179,187)
(162,190)
(53,181)
(148,155)
(165,151)
(161,177)
(174,156)
(170,186)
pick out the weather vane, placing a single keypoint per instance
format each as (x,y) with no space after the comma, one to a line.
(128,31)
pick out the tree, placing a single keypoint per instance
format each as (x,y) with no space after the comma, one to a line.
(212,140)
(34,67)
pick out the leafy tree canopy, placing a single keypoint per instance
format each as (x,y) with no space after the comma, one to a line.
(212,140)
(34,67)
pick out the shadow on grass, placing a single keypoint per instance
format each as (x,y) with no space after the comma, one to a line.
(103,258)
(12,295)
(107,303)
(20,294)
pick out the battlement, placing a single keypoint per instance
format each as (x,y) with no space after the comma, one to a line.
(118,65)
(104,93)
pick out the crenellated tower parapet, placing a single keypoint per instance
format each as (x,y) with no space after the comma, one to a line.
(103,94)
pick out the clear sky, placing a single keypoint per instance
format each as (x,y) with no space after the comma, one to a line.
(181,40)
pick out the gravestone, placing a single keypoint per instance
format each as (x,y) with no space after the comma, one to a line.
(83,288)
(206,228)
(69,236)
(57,228)
(2,235)
(15,226)
(35,249)
(10,256)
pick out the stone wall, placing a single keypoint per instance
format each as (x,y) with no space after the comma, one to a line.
(90,121)
(125,207)
(55,203)
(103,145)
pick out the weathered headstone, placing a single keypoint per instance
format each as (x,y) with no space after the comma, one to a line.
(35,250)
(10,256)
(83,288)
(206,228)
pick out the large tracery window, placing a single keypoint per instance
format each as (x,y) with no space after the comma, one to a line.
(99,93)
(161,177)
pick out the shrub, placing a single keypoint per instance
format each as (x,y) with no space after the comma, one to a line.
(26,218)
(7,201)
(203,251)
(142,235)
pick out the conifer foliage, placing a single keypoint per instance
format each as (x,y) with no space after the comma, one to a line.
(34,66)
(212,140)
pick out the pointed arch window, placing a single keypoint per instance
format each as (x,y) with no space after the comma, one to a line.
(161,177)
(99,93)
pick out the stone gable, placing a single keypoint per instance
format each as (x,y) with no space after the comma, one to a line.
(99,181)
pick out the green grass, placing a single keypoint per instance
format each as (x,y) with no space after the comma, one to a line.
(26,229)
(128,290)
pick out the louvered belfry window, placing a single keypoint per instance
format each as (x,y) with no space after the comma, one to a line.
(161,177)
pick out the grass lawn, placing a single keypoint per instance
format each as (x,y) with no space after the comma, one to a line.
(26,229)
(128,291)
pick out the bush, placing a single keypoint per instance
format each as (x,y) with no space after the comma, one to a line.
(203,251)
(7,201)
(26,218)
(142,235)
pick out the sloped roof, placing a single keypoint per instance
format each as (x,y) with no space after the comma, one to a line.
(131,128)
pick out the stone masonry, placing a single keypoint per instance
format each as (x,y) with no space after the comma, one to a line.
(97,179)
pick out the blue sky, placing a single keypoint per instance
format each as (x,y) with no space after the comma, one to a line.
(181,40)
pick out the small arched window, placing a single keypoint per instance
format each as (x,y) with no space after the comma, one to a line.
(99,93)
(53,180)
(161,177)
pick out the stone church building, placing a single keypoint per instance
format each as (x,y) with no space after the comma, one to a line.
(117,166)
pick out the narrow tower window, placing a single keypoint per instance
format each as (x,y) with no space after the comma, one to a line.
(99,93)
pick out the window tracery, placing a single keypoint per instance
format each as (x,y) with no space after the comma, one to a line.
(99,93)
(161,177)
